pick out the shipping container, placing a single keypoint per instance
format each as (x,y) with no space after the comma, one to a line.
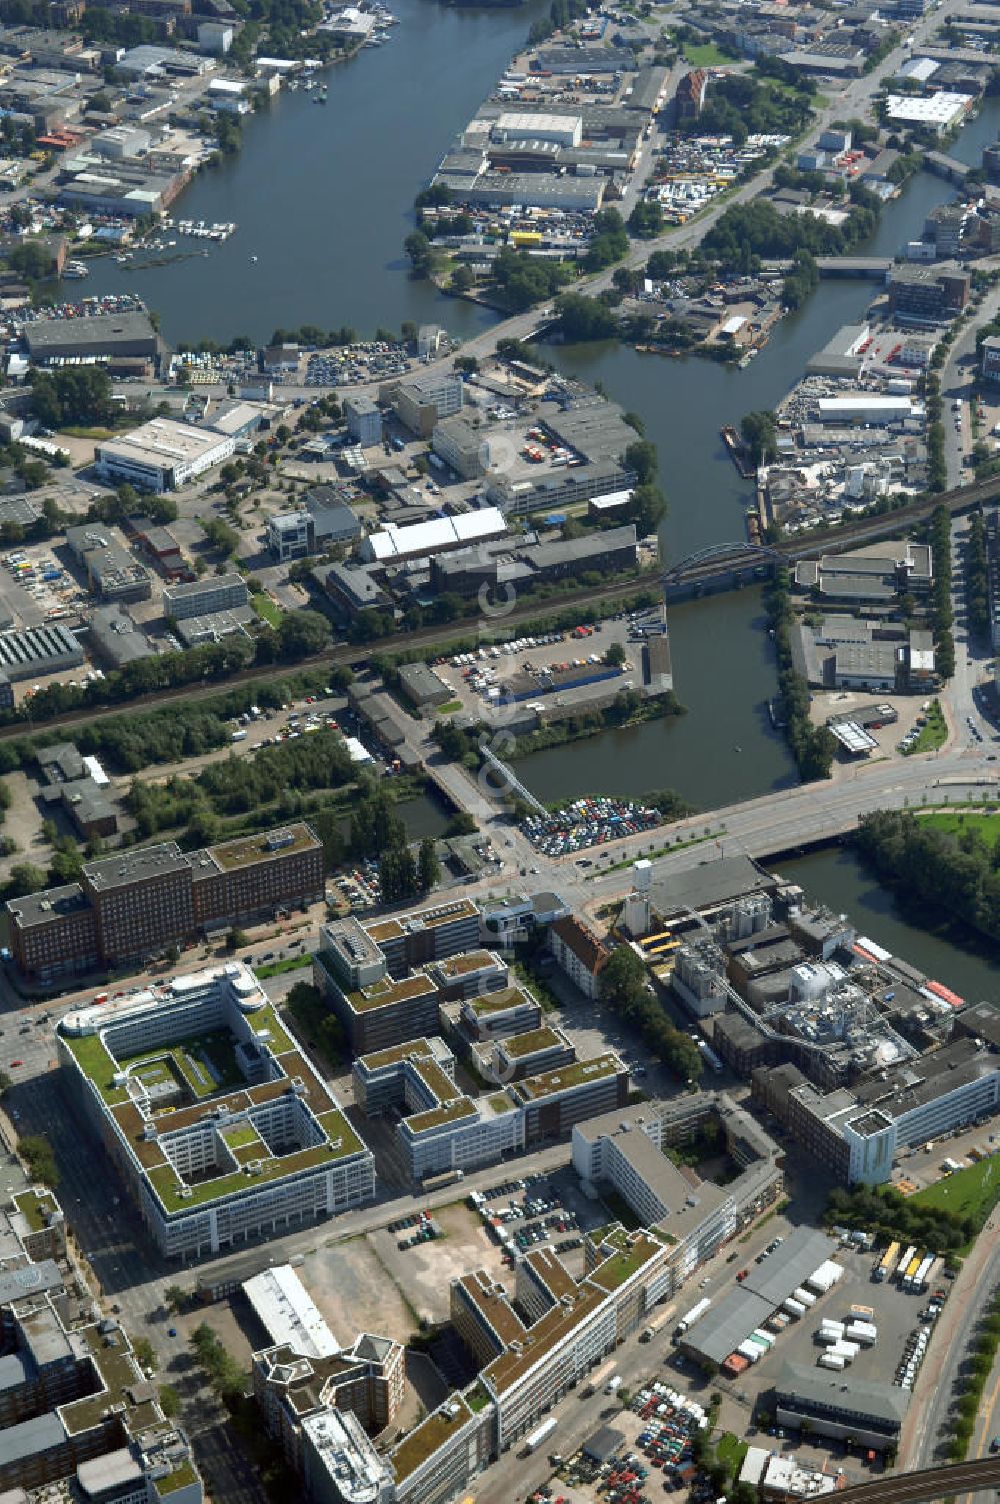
(831,1360)
(794,1307)
(863,1332)
(805,1296)
(861,1313)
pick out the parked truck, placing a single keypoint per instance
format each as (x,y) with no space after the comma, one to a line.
(922,1275)
(695,1313)
(614,1384)
(540,1434)
(905,1262)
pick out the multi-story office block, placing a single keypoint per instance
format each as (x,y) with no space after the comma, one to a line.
(214,1116)
(141,899)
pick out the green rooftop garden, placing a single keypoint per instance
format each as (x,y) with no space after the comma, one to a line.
(454,1112)
(501,1102)
(238,1138)
(180,1478)
(266,1018)
(97,1065)
(35,1208)
(476,1398)
(428,1436)
(622,1265)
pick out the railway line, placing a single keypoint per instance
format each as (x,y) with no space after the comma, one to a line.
(926,1484)
(347,654)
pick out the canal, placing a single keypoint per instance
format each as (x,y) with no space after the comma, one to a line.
(323,205)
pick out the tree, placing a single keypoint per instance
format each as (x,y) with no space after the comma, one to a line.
(144,1351)
(24,878)
(418,248)
(170,1402)
(759,432)
(646,219)
(583,318)
(463,279)
(615,655)
(36,1151)
(175,1297)
(428,866)
(236,940)
(641,457)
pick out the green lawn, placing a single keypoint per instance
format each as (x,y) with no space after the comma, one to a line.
(953,821)
(967,1193)
(277,968)
(449,707)
(265,608)
(731,1451)
(708,55)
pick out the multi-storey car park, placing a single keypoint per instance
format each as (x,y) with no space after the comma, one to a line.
(219,1124)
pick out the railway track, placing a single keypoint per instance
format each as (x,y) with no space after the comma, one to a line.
(340,655)
(926,1484)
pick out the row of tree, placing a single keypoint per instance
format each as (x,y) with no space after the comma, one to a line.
(623,989)
(977,578)
(942,616)
(813,747)
(894,1217)
(300,634)
(959,873)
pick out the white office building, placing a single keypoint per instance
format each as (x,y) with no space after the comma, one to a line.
(162,455)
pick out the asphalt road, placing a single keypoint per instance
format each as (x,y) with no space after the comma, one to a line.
(942,1376)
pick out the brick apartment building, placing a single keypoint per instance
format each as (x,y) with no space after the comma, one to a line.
(140,900)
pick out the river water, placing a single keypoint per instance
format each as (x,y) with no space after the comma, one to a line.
(321,196)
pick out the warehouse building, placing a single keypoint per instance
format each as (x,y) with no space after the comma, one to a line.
(730,1320)
(871,1414)
(35,652)
(115,639)
(162,455)
(99,336)
(422,539)
(208,1166)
